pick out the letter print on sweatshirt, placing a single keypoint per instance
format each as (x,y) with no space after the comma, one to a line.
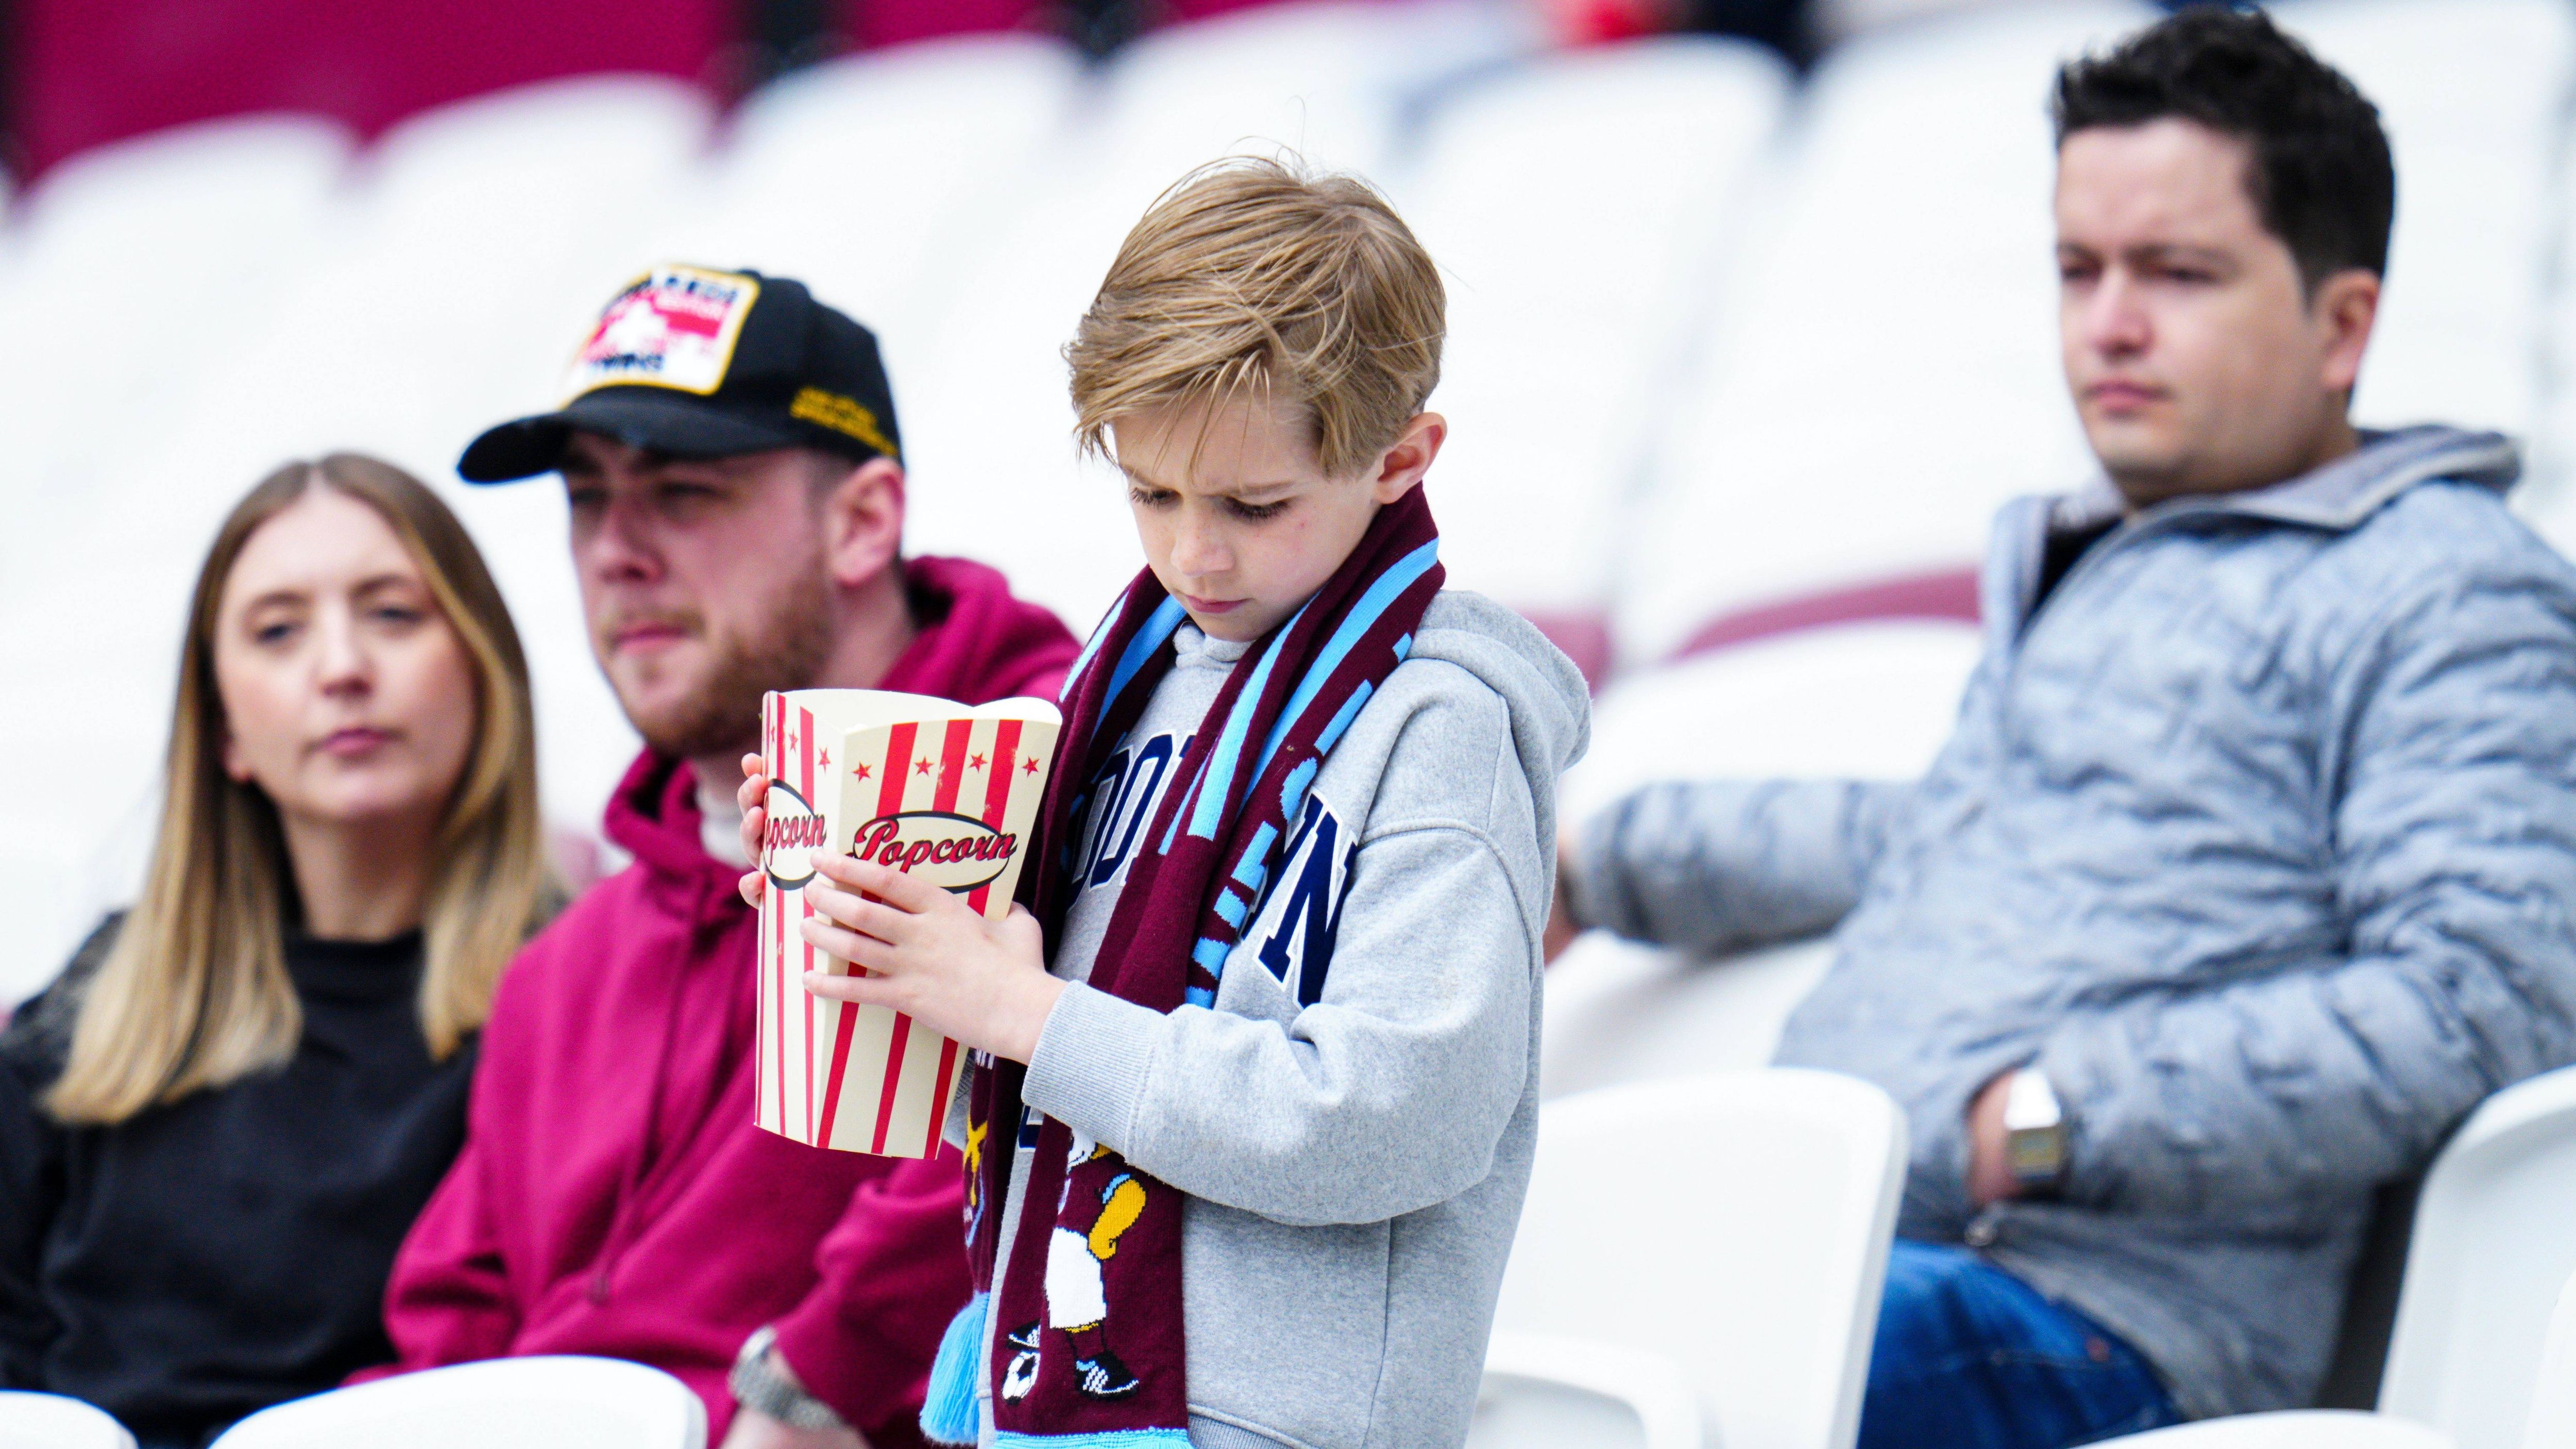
(1300,910)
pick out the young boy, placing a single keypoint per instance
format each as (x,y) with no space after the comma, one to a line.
(1254,1103)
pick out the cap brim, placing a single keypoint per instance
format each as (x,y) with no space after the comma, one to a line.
(681,424)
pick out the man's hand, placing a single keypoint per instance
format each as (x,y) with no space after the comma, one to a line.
(1562,928)
(754,799)
(929,955)
(753,1429)
(1990,1174)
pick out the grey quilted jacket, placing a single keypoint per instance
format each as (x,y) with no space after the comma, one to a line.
(2258,835)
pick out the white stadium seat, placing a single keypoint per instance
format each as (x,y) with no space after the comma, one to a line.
(50,1421)
(1577,206)
(1883,367)
(2473,96)
(2494,1242)
(1862,700)
(547,1402)
(987,420)
(2305,1429)
(865,177)
(2553,1395)
(1713,1243)
(136,269)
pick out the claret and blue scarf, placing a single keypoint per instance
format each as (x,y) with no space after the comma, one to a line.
(1092,1350)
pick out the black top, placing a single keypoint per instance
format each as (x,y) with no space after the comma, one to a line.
(206,1259)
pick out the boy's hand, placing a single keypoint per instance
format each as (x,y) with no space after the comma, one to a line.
(754,799)
(934,959)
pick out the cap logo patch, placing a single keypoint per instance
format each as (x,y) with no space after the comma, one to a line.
(672,327)
(841,415)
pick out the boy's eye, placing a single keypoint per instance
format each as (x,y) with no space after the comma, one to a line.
(1254,512)
(1150,497)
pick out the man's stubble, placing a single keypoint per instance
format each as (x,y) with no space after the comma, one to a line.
(722,716)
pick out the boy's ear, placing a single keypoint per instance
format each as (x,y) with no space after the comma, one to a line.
(863,522)
(1403,463)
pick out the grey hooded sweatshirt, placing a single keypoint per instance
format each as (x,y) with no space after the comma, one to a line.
(2257,835)
(1352,1120)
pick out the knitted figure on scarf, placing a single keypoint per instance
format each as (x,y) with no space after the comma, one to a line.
(1255,1082)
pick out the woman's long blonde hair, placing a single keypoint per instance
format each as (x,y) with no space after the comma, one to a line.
(195,993)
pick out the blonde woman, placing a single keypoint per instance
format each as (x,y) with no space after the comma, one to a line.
(216,1126)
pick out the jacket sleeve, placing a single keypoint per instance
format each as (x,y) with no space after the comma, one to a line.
(449,1300)
(33,1047)
(31,1190)
(893,1272)
(1716,866)
(2453,810)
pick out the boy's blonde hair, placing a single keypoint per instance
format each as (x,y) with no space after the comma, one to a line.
(1251,278)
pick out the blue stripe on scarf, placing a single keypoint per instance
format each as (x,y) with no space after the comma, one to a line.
(1097,1439)
(1292,791)
(1157,628)
(1099,636)
(1219,782)
(1342,718)
(1254,868)
(948,1414)
(1362,617)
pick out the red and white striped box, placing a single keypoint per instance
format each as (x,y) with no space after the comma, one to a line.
(936,788)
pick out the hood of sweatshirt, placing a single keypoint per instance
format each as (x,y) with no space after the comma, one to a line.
(1551,708)
(978,642)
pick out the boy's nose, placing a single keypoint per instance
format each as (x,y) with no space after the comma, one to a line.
(1200,552)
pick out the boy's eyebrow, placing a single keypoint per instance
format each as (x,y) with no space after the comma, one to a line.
(1243,492)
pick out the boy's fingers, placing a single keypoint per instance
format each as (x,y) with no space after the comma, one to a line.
(865,990)
(858,913)
(750,887)
(751,765)
(846,945)
(900,889)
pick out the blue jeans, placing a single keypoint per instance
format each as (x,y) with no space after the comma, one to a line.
(1970,1357)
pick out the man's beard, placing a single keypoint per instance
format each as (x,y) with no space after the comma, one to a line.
(723,714)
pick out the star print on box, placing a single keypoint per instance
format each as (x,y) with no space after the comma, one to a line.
(867,1078)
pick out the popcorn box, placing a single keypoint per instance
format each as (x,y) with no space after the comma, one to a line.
(935,788)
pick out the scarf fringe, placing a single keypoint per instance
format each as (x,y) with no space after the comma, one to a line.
(948,1413)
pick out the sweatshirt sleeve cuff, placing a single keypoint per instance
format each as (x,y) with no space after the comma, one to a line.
(856,1385)
(1089,1069)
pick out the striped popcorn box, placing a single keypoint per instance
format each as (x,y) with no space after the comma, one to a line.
(931,787)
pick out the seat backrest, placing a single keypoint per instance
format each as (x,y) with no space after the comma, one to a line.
(1737,1222)
(50,1421)
(2495,1238)
(2553,1394)
(1768,482)
(1576,206)
(550,1402)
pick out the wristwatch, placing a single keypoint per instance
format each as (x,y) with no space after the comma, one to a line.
(767,1388)
(2035,1132)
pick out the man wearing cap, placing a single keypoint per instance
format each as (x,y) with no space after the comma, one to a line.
(737,493)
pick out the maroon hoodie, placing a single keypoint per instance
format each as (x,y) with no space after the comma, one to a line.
(614,1198)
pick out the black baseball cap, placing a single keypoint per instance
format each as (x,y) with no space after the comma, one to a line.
(700,363)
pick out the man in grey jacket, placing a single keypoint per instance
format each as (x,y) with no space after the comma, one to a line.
(2249,869)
